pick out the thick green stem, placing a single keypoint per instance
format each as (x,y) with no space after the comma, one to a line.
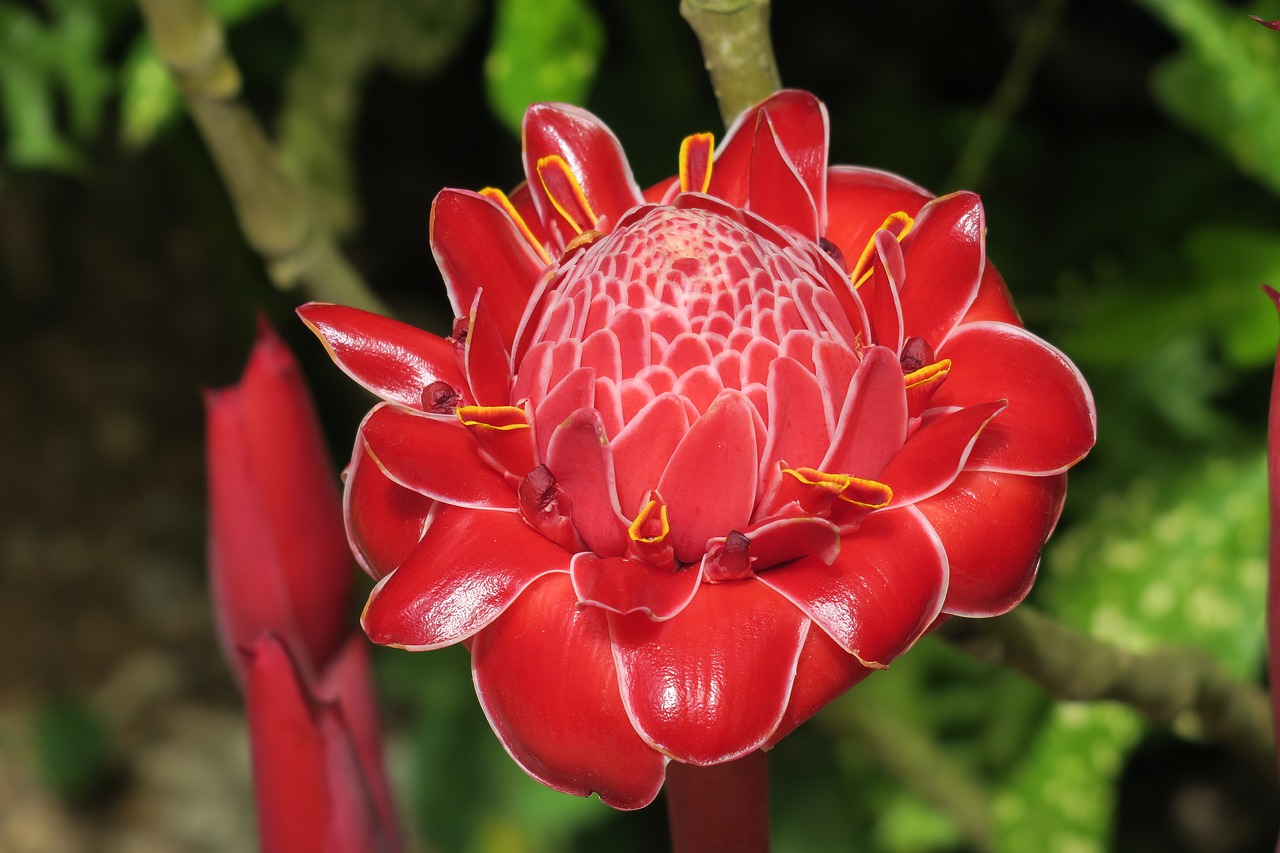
(272,210)
(1166,685)
(719,809)
(734,35)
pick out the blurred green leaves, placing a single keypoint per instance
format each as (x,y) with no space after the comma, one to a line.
(45,62)
(1225,84)
(543,50)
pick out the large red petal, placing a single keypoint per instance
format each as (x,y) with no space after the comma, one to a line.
(882,591)
(592,154)
(824,673)
(943,255)
(801,123)
(392,359)
(477,245)
(1050,423)
(711,684)
(777,193)
(993,301)
(993,527)
(434,457)
(546,679)
(859,200)
(384,520)
(487,361)
(710,482)
(937,452)
(469,567)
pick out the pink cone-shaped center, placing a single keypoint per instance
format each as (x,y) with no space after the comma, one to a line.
(695,353)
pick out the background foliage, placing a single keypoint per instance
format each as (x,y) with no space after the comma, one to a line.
(1129,157)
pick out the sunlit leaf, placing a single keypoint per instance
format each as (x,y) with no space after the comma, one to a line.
(1175,559)
(543,50)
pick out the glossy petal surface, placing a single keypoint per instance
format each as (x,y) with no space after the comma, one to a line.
(545,677)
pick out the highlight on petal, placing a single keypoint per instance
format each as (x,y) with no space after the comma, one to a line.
(469,567)
(1051,421)
(880,593)
(710,685)
(944,256)
(590,153)
(393,360)
(546,679)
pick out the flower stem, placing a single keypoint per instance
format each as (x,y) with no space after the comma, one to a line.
(734,35)
(1163,684)
(273,210)
(719,809)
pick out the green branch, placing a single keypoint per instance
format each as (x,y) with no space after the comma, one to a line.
(734,35)
(272,210)
(1167,685)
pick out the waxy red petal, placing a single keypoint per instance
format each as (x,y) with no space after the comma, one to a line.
(776,191)
(384,520)
(935,454)
(546,679)
(477,245)
(882,591)
(710,482)
(873,422)
(825,673)
(621,585)
(434,457)
(1050,423)
(993,301)
(800,120)
(393,360)
(879,293)
(582,462)
(592,154)
(487,361)
(859,199)
(710,685)
(278,559)
(308,782)
(467,570)
(944,255)
(993,527)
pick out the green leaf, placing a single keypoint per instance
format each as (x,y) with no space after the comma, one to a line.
(543,50)
(1176,559)
(1226,82)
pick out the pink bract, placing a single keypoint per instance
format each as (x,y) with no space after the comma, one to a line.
(697,459)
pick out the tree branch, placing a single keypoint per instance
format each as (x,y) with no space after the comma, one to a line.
(734,35)
(1167,684)
(272,210)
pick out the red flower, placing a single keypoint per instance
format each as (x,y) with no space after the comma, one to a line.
(697,459)
(277,559)
(281,576)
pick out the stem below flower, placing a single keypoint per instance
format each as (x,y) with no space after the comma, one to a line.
(719,809)
(734,35)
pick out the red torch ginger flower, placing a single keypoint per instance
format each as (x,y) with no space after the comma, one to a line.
(697,459)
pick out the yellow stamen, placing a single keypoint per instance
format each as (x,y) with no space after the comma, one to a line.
(636,530)
(493,417)
(696,161)
(501,198)
(935,372)
(566,194)
(899,224)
